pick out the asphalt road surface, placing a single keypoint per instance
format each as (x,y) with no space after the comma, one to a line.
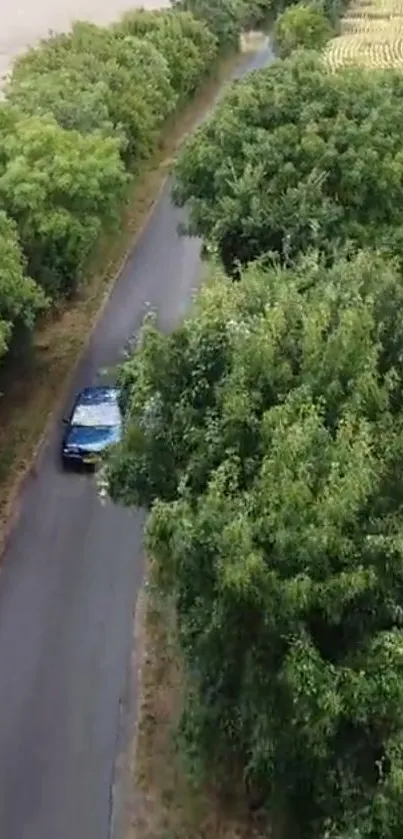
(69,583)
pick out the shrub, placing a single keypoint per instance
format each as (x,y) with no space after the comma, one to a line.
(224,18)
(301,26)
(265,434)
(333,10)
(297,157)
(20,297)
(82,107)
(228,18)
(61,188)
(188,47)
(91,79)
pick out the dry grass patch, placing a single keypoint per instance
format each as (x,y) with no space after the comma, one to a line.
(371,36)
(32,388)
(164,804)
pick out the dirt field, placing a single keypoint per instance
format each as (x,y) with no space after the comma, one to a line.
(26,21)
(371,35)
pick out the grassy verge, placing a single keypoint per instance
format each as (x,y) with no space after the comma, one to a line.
(163,803)
(31,388)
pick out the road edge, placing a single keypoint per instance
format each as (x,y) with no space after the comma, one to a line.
(13,507)
(121,792)
(129,706)
(122,797)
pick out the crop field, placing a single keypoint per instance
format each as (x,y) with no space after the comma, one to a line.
(371,35)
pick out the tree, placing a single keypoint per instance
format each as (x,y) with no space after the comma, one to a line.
(333,10)
(20,297)
(301,26)
(228,18)
(224,18)
(66,95)
(92,79)
(257,13)
(265,435)
(81,108)
(61,188)
(297,157)
(187,44)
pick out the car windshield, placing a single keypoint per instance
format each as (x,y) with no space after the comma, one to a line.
(102,415)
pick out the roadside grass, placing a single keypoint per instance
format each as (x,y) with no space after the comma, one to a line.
(31,387)
(163,803)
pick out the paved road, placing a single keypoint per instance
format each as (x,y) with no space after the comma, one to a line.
(70,579)
(26,21)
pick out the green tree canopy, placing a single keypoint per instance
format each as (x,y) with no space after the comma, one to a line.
(301,26)
(224,18)
(81,108)
(61,187)
(92,79)
(257,12)
(65,94)
(227,18)
(186,43)
(266,436)
(332,9)
(297,157)
(20,297)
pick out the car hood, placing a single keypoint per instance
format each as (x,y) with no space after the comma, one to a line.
(91,439)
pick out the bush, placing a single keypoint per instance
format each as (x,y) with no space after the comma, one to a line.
(188,47)
(265,434)
(333,10)
(256,13)
(297,157)
(20,297)
(228,18)
(61,188)
(224,18)
(91,79)
(301,26)
(83,107)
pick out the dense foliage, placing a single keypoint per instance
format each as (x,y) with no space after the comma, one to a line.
(124,80)
(93,80)
(187,45)
(266,436)
(61,187)
(20,298)
(301,26)
(223,18)
(83,110)
(297,157)
(227,18)
(333,10)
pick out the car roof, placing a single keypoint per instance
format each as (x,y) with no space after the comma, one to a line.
(96,406)
(97,394)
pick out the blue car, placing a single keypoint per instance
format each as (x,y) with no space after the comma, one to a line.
(94,424)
